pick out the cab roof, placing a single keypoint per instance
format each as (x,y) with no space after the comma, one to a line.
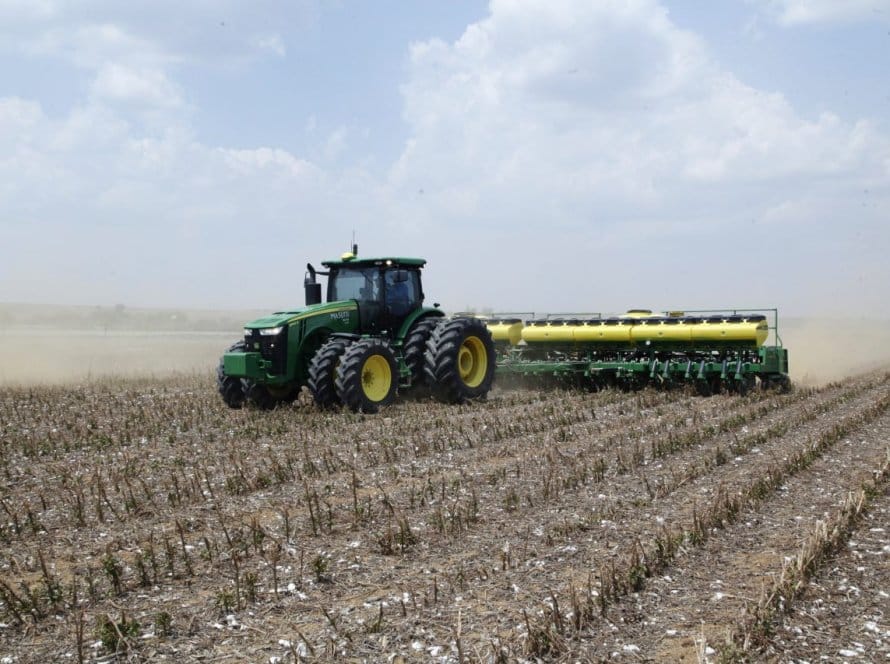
(348,259)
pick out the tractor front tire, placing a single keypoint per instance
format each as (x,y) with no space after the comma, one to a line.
(460,360)
(259,396)
(323,373)
(368,376)
(231,388)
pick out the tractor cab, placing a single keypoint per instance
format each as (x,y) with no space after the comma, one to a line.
(387,290)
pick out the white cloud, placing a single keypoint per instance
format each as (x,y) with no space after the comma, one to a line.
(18,116)
(602,129)
(215,34)
(336,144)
(797,12)
(560,155)
(173,220)
(143,87)
(25,11)
(266,159)
(88,45)
(606,108)
(273,44)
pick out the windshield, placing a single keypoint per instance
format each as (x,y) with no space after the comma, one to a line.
(355,284)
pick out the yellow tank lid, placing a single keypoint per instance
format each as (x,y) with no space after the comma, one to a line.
(638,313)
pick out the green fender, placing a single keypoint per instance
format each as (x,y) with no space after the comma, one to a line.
(414,316)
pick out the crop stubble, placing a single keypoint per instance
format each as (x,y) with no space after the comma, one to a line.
(560,525)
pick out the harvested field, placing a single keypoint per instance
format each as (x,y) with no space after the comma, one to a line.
(143,518)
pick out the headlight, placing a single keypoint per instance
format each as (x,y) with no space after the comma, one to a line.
(248,332)
(271,331)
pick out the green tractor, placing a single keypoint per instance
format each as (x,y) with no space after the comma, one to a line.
(371,339)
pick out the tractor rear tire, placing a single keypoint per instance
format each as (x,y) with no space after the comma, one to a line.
(460,360)
(323,373)
(368,376)
(415,348)
(232,389)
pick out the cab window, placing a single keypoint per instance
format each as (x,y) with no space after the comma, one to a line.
(402,291)
(355,284)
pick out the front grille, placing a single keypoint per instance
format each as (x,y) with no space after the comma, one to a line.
(271,348)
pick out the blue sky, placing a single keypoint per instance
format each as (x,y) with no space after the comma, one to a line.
(543,155)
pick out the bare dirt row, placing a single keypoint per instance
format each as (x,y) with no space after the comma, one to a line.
(144,519)
(842,612)
(697,603)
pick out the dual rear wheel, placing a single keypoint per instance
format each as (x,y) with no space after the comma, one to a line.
(362,375)
(368,376)
(455,358)
(459,361)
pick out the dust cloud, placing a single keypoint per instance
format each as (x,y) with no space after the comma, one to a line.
(69,344)
(820,351)
(61,357)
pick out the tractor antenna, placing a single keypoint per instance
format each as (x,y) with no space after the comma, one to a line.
(354,245)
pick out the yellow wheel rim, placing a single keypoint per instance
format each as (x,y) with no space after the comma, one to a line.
(472,361)
(376,378)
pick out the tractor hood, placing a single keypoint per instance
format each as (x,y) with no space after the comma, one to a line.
(280,318)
